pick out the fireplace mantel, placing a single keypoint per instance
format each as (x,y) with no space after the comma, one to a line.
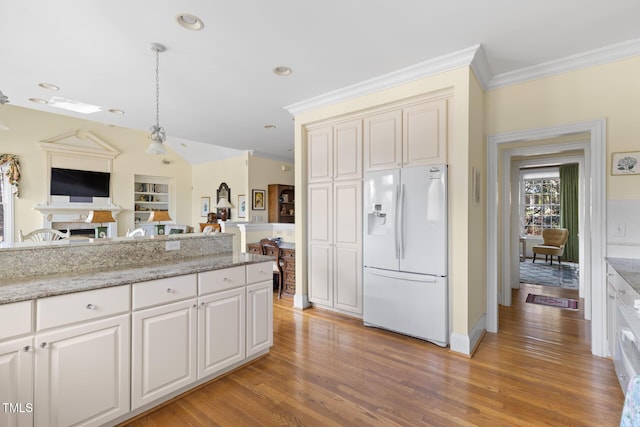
(74,215)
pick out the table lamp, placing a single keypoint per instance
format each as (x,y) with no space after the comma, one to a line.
(224,206)
(159,216)
(100,217)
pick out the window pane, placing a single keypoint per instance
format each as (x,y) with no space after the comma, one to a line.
(541,207)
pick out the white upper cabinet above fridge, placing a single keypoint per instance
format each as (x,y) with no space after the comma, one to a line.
(415,135)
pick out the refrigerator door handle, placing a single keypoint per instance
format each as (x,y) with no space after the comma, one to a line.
(401,222)
(396,231)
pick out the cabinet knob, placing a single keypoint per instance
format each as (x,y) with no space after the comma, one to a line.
(225,279)
(195,306)
(169,290)
(609,274)
(44,345)
(27,348)
(91,307)
(611,297)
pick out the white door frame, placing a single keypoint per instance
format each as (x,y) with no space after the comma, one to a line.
(594,235)
(516,178)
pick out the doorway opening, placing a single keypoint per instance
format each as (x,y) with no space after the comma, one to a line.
(502,242)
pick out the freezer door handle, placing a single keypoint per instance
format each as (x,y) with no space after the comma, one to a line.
(400,275)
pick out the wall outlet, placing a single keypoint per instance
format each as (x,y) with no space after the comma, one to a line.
(172,246)
(619,230)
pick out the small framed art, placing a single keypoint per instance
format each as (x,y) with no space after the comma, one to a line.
(205,206)
(625,163)
(257,197)
(242,206)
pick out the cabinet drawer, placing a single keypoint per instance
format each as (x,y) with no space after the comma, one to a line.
(219,280)
(162,291)
(81,306)
(15,319)
(260,272)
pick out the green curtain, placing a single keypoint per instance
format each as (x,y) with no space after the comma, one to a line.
(569,208)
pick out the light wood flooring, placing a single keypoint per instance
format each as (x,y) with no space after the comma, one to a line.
(329,370)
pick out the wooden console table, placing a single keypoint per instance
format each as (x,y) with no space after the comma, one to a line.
(289,267)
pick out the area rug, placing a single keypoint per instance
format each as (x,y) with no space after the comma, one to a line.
(566,303)
(542,273)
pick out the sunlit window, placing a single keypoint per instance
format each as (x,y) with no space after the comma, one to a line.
(540,190)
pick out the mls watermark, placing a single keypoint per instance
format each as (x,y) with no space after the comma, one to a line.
(17,408)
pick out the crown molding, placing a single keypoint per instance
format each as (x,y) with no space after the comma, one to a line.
(414,72)
(590,58)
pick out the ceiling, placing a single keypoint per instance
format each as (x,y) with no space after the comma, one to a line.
(217,85)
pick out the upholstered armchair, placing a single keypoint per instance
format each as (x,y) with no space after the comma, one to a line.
(553,242)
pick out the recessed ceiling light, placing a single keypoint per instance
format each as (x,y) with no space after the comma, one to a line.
(189,21)
(116,111)
(48,86)
(282,70)
(269,126)
(39,100)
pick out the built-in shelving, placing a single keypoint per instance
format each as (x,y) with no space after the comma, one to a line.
(151,193)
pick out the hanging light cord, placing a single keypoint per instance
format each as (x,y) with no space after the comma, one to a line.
(157,132)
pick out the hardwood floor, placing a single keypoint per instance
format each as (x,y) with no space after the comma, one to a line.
(329,370)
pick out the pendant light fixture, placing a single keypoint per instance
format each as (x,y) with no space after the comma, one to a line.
(157,136)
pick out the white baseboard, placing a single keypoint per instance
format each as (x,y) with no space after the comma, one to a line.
(465,344)
(301,301)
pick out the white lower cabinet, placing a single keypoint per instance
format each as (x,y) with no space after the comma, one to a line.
(259,317)
(16,382)
(221,330)
(82,373)
(91,358)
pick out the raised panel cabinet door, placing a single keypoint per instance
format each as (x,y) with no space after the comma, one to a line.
(320,154)
(163,356)
(82,373)
(221,330)
(347,260)
(347,150)
(383,140)
(321,274)
(259,317)
(348,279)
(320,199)
(425,133)
(16,382)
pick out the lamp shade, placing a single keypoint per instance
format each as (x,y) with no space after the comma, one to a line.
(159,216)
(223,203)
(99,217)
(156,147)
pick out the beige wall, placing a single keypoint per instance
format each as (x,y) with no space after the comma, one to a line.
(605,91)
(263,172)
(207,177)
(464,129)
(29,127)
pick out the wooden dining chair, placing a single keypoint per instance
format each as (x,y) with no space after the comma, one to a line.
(271,248)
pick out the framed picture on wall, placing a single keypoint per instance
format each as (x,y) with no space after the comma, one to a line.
(205,206)
(257,197)
(625,163)
(242,206)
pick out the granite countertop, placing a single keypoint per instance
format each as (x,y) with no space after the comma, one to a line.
(628,269)
(34,287)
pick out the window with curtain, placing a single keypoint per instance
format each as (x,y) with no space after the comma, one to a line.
(2,230)
(569,181)
(540,200)
(9,178)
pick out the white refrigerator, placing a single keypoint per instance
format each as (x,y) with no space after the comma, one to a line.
(405,252)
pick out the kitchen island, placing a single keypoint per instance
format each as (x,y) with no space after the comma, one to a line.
(98,332)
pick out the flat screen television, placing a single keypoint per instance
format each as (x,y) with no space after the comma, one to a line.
(79,183)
